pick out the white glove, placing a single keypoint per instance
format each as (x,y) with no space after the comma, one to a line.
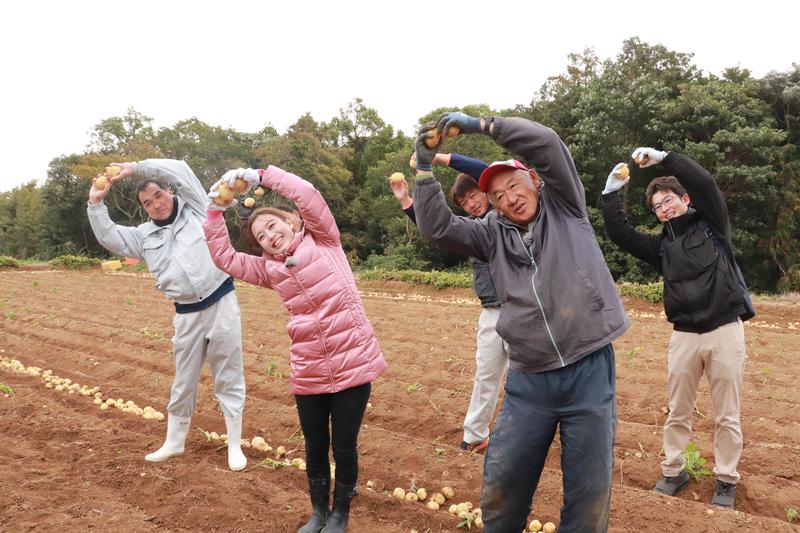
(619,176)
(217,197)
(647,157)
(249,175)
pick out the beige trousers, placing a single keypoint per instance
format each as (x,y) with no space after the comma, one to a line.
(720,354)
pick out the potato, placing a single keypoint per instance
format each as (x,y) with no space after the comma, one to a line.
(434,139)
(453,509)
(448,493)
(479,522)
(249,202)
(245,443)
(397,177)
(452,131)
(297,461)
(159,416)
(549,527)
(259,192)
(642,159)
(399,493)
(411,497)
(240,185)
(624,172)
(422,494)
(113,170)
(413,164)
(98,401)
(100,182)
(463,507)
(104,407)
(258,443)
(225,195)
(438,497)
(280,452)
(432,505)
(148,416)
(48,385)
(535,525)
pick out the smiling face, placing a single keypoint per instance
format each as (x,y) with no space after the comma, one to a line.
(668,205)
(515,195)
(474,202)
(272,233)
(157,202)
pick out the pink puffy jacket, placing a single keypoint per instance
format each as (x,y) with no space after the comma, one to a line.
(333,345)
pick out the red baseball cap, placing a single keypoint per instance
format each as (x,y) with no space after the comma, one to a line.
(494,168)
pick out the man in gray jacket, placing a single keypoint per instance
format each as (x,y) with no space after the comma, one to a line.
(559,313)
(207,321)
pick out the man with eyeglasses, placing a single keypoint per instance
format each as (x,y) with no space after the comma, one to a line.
(704,297)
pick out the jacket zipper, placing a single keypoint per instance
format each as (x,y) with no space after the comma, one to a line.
(319,330)
(536,295)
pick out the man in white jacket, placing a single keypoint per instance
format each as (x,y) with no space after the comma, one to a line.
(207,320)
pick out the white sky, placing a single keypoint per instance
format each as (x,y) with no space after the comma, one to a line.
(65,66)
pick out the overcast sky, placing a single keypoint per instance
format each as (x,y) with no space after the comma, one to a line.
(65,66)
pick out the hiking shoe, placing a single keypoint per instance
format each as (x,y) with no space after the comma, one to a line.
(672,485)
(724,495)
(475,447)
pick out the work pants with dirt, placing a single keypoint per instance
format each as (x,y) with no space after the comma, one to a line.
(213,334)
(342,412)
(720,355)
(580,401)
(491,362)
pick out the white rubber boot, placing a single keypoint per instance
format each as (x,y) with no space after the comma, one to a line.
(177,429)
(236,459)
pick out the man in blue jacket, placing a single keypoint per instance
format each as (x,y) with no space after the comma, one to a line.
(559,313)
(491,359)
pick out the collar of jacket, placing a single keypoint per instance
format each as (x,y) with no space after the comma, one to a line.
(152,227)
(678,226)
(298,238)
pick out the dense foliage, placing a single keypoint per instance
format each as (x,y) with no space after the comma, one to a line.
(744,130)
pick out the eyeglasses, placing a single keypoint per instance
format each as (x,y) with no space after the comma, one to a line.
(666,202)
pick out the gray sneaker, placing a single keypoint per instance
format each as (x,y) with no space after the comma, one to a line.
(672,485)
(724,495)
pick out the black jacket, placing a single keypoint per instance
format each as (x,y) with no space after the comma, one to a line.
(701,288)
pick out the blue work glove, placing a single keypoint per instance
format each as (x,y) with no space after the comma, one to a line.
(425,153)
(462,121)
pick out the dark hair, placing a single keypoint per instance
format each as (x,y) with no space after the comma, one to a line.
(145,183)
(282,211)
(461,187)
(664,183)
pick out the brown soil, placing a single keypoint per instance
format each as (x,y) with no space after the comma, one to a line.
(67,465)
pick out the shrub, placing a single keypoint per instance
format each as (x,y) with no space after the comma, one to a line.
(74,262)
(438,279)
(650,292)
(8,261)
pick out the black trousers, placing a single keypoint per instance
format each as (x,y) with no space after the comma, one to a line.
(344,410)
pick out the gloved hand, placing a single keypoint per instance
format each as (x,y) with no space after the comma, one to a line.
(462,121)
(221,196)
(619,176)
(646,157)
(425,154)
(249,175)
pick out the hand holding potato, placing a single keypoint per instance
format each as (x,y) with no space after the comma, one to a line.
(619,176)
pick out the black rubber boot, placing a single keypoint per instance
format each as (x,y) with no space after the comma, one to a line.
(337,521)
(320,492)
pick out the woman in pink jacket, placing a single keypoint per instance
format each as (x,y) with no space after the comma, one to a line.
(334,354)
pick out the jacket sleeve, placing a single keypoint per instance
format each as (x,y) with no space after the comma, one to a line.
(542,149)
(624,235)
(467,165)
(180,177)
(119,240)
(703,192)
(242,266)
(409,211)
(437,223)
(317,216)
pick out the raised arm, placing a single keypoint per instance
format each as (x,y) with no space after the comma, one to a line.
(435,220)
(119,240)
(239,265)
(703,192)
(177,175)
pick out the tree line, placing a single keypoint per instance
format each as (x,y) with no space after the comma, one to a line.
(744,130)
